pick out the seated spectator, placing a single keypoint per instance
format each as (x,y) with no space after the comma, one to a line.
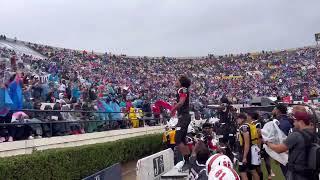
(77,115)
(133,118)
(58,129)
(20,132)
(7,132)
(45,117)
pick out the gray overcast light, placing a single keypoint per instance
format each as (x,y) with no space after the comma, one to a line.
(163,27)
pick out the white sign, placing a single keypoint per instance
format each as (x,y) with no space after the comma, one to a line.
(153,166)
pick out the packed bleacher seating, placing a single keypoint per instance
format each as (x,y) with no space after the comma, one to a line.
(82,80)
(292,72)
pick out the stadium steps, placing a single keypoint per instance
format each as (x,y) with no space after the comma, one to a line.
(20,48)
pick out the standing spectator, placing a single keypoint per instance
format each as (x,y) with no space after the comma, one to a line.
(280,113)
(13,61)
(15,91)
(75,93)
(296,145)
(62,87)
(37,89)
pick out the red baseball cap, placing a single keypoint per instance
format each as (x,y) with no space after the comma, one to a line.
(302,116)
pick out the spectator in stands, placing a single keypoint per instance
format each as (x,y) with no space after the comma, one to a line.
(78,117)
(282,74)
(36,88)
(89,126)
(21,131)
(27,98)
(59,129)
(75,93)
(3,37)
(133,118)
(45,92)
(7,132)
(62,87)
(44,117)
(15,91)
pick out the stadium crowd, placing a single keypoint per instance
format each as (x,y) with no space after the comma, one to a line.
(291,72)
(110,88)
(87,79)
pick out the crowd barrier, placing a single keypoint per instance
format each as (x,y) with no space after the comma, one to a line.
(58,127)
(30,146)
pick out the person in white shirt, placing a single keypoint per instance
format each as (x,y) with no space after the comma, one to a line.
(62,87)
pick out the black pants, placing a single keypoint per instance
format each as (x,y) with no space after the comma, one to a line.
(182,128)
(21,132)
(284,170)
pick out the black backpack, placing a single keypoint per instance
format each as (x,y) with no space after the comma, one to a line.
(312,150)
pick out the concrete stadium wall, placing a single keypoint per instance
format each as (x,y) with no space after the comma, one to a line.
(28,146)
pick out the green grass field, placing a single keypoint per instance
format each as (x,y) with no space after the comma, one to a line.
(276,170)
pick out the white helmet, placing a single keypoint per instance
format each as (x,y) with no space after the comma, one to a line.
(217,160)
(223,173)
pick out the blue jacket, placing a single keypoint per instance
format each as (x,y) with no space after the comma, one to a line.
(285,124)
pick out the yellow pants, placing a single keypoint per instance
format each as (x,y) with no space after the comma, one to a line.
(135,123)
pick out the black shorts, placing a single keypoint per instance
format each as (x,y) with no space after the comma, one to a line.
(182,128)
(247,167)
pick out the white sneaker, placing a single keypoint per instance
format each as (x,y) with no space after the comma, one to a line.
(10,139)
(30,137)
(179,165)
